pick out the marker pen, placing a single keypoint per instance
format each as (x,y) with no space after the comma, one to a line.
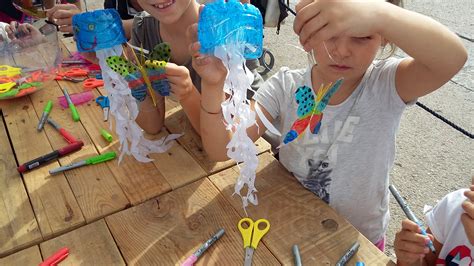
(195,256)
(410,215)
(74,113)
(50,156)
(44,116)
(66,135)
(92,160)
(349,253)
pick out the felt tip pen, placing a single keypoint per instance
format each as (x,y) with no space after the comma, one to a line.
(410,215)
(106,135)
(92,160)
(44,116)
(195,256)
(296,254)
(74,113)
(66,135)
(348,255)
(56,258)
(50,156)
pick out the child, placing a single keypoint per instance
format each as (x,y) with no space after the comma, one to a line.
(348,161)
(450,226)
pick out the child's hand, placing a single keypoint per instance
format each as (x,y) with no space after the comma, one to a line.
(410,244)
(321,20)
(180,80)
(62,14)
(467,218)
(25,34)
(211,69)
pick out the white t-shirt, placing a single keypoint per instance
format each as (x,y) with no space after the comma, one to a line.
(353,177)
(445,223)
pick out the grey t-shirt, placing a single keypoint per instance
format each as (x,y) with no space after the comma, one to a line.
(352,174)
(146,34)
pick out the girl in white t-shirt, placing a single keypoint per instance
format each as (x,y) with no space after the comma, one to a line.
(346,158)
(451,228)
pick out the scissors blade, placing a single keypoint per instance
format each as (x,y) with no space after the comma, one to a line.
(106,114)
(248,256)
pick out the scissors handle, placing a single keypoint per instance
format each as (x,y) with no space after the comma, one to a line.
(246,232)
(259,233)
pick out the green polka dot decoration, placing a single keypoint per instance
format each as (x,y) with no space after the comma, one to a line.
(155,64)
(120,65)
(161,52)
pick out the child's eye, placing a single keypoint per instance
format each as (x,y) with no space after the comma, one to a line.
(366,38)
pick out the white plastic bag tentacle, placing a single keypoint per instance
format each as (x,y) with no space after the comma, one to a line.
(125,110)
(238,117)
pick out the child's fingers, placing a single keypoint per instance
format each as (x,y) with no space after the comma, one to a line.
(315,25)
(327,32)
(469,195)
(191,33)
(468,207)
(410,226)
(305,14)
(302,4)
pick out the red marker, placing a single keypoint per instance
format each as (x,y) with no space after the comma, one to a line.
(56,258)
(66,135)
(50,156)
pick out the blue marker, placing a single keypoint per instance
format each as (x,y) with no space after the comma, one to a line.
(410,214)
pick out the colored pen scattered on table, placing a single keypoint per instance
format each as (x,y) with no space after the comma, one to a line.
(92,160)
(50,156)
(44,116)
(348,255)
(106,135)
(56,258)
(410,214)
(74,113)
(66,135)
(195,256)
(296,254)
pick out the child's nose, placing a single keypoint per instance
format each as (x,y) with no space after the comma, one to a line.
(341,47)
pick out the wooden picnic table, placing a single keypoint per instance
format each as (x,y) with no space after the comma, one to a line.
(148,213)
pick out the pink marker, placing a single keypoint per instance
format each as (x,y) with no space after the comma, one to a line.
(195,256)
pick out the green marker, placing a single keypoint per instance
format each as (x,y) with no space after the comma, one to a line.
(92,160)
(107,136)
(44,116)
(75,114)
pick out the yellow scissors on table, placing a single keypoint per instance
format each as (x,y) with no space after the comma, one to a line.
(252,235)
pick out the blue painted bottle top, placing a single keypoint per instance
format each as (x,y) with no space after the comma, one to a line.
(231,22)
(99,29)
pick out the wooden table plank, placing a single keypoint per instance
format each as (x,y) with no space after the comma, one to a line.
(322,235)
(177,165)
(177,122)
(18,225)
(94,187)
(89,245)
(53,202)
(139,181)
(30,256)
(168,229)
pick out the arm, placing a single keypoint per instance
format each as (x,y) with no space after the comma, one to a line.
(151,118)
(410,246)
(437,53)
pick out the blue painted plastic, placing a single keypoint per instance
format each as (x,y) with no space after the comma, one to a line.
(99,29)
(231,22)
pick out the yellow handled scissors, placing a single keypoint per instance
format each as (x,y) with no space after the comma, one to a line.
(252,235)
(9,71)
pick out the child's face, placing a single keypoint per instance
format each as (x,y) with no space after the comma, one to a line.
(347,57)
(166,11)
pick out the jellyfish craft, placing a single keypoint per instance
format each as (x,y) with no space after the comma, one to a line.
(101,31)
(233,32)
